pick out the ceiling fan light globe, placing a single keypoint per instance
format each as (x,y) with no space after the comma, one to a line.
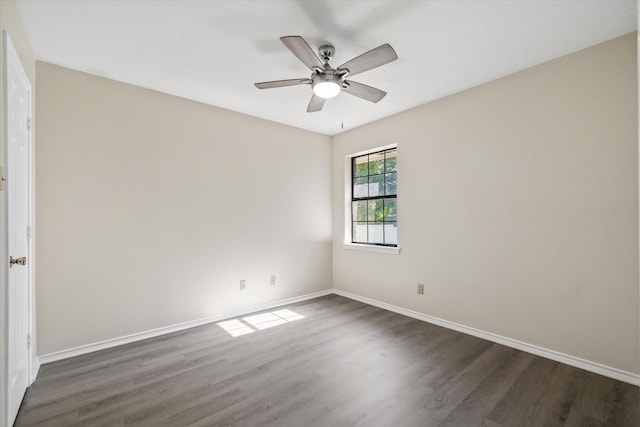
(326,89)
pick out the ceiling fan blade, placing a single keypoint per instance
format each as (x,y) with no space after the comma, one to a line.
(315,104)
(370,60)
(301,49)
(282,83)
(363,91)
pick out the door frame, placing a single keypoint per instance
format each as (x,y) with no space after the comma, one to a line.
(11,58)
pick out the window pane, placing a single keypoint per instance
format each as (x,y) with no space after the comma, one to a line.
(376,233)
(359,211)
(375,212)
(359,232)
(390,161)
(390,210)
(361,166)
(376,185)
(376,163)
(390,233)
(391,183)
(373,205)
(360,187)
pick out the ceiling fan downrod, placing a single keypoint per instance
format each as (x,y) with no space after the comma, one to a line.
(326,52)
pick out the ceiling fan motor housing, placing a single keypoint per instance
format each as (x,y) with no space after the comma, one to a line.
(327,76)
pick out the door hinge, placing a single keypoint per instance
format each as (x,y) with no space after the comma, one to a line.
(28,340)
(28,232)
(28,123)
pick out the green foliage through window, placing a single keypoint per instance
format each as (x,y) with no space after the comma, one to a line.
(373,198)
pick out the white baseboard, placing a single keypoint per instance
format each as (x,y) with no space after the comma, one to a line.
(102,345)
(567,359)
(607,371)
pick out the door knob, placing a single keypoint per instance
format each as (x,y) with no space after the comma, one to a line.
(20,261)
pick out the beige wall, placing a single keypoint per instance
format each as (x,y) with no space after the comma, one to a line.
(152,208)
(518,207)
(11,22)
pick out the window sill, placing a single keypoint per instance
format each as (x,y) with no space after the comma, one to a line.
(373,248)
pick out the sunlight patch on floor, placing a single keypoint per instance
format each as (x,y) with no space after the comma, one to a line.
(235,327)
(249,324)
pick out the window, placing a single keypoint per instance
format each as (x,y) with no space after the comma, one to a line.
(373,198)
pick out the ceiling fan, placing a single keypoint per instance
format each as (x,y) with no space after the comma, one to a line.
(328,82)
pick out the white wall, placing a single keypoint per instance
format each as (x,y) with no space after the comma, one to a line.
(11,22)
(517,207)
(152,208)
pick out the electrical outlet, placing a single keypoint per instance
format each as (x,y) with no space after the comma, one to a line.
(273,279)
(243,285)
(421,288)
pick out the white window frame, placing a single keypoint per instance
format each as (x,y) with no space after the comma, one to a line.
(394,250)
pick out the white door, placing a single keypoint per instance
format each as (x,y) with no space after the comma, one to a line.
(18,132)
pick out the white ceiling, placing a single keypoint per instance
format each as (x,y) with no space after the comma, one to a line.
(213,51)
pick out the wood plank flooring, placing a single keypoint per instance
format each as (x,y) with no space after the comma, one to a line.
(344,364)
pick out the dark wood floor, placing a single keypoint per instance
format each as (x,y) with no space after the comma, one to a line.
(344,364)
